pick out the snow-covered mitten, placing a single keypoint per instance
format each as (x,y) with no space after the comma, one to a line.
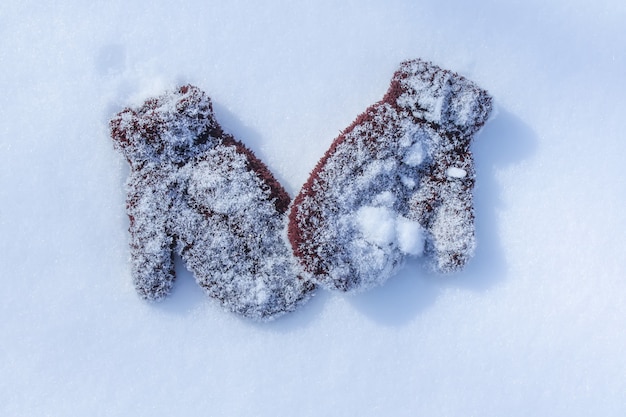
(195,189)
(396,182)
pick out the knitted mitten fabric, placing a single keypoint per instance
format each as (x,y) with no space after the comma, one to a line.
(398,181)
(196,190)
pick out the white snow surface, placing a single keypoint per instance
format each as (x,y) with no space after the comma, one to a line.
(534,325)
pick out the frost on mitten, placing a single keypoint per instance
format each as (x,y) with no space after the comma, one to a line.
(195,189)
(396,182)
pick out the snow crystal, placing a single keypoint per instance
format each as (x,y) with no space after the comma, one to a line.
(386,198)
(415,155)
(407,181)
(377,224)
(410,236)
(397,182)
(455,172)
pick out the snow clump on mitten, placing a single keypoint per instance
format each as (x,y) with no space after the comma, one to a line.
(396,182)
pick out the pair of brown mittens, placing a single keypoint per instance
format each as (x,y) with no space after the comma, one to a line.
(397,182)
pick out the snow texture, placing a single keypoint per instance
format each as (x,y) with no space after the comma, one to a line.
(196,190)
(532,325)
(404,163)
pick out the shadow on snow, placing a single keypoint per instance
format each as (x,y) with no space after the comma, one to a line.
(505,140)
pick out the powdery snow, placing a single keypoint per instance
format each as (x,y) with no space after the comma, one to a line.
(455,172)
(533,324)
